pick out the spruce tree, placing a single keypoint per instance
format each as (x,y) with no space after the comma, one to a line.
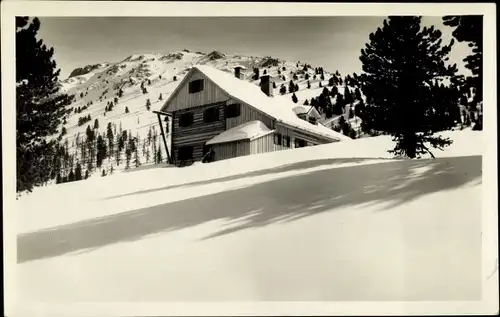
(101,151)
(331,81)
(291,86)
(348,98)
(282,89)
(469,28)
(294,98)
(78,172)
(339,104)
(148,104)
(110,137)
(40,106)
(126,110)
(357,94)
(324,103)
(149,136)
(96,124)
(314,102)
(154,151)
(334,91)
(128,156)
(402,65)
(118,150)
(159,157)
(342,122)
(325,92)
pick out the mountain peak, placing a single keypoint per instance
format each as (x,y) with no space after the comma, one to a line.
(84,70)
(216,55)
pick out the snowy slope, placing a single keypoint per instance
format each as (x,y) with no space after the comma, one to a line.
(339,221)
(101,85)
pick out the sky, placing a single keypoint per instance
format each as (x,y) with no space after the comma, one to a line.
(333,42)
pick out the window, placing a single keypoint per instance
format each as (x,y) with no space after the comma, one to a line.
(185,153)
(286,141)
(312,120)
(186,119)
(195,86)
(211,114)
(233,110)
(277,138)
(300,143)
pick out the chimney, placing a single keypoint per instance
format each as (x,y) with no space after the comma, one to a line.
(237,72)
(266,85)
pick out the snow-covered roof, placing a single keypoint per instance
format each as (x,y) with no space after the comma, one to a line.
(278,107)
(246,131)
(301,109)
(307,110)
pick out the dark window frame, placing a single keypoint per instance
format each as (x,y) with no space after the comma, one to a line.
(298,143)
(211,114)
(183,118)
(287,141)
(233,110)
(196,86)
(278,139)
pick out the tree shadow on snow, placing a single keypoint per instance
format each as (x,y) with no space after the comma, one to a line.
(287,199)
(268,171)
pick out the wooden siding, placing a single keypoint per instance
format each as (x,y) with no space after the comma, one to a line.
(229,150)
(197,155)
(263,144)
(284,131)
(309,138)
(198,133)
(182,99)
(249,114)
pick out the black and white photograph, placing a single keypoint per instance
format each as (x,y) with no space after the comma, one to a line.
(293,153)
